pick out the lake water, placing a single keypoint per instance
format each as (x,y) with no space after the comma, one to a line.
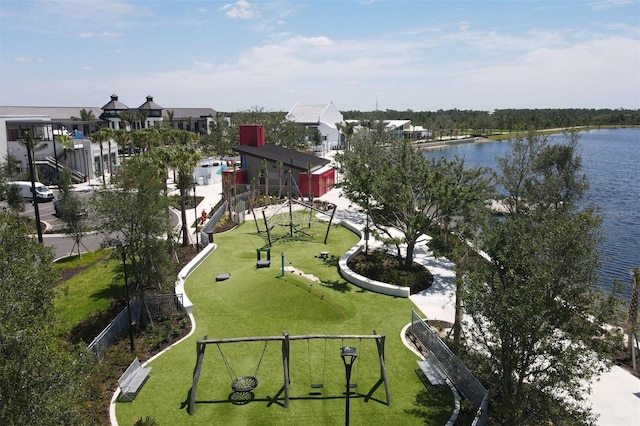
(611,160)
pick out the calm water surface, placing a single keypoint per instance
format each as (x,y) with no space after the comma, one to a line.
(611,160)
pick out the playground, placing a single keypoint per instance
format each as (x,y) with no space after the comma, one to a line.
(236,355)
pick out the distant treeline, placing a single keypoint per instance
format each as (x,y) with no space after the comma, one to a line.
(504,119)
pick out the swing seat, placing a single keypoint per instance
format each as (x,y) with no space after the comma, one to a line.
(244,384)
(317,385)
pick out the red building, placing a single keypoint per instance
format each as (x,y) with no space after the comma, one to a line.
(266,162)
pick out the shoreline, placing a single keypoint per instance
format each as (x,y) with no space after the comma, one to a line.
(450,142)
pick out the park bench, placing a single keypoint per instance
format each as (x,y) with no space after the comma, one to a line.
(132,380)
(431,370)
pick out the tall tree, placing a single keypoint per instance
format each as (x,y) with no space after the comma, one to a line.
(184,159)
(88,119)
(399,188)
(67,145)
(71,211)
(101,136)
(40,381)
(136,213)
(534,312)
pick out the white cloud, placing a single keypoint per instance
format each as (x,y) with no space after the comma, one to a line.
(606,4)
(598,73)
(86,68)
(240,10)
(96,35)
(23,59)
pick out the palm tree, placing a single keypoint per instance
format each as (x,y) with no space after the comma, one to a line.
(347,128)
(123,138)
(89,118)
(170,115)
(184,159)
(142,118)
(101,136)
(67,145)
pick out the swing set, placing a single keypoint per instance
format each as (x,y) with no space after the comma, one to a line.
(243,386)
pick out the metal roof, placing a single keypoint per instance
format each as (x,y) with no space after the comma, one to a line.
(289,157)
(307,113)
(149,104)
(115,105)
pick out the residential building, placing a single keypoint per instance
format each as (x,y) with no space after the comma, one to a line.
(82,156)
(324,119)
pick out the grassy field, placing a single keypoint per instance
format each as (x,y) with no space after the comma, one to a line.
(88,292)
(261,302)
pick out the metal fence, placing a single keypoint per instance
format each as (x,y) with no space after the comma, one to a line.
(461,377)
(154,307)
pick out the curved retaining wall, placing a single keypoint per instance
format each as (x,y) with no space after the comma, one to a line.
(359,280)
(184,273)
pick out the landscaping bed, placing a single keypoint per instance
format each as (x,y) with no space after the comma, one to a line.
(383,267)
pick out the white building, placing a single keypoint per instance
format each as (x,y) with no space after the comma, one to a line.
(323,118)
(83,156)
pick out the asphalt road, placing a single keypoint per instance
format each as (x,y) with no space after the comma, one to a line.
(65,245)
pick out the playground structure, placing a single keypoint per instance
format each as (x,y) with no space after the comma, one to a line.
(299,213)
(243,386)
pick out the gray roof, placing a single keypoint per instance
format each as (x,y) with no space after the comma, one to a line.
(149,104)
(307,113)
(289,157)
(55,113)
(65,113)
(115,105)
(180,113)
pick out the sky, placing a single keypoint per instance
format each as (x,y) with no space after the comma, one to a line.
(420,55)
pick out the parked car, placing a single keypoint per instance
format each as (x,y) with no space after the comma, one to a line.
(59,204)
(42,192)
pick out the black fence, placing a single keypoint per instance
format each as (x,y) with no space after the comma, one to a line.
(154,307)
(462,378)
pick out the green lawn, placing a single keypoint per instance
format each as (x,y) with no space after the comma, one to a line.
(88,292)
(260,302)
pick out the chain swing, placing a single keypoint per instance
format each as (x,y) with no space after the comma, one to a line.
(315,385)
(243,383)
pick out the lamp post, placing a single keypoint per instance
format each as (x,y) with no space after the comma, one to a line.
(123,249)
(348,355)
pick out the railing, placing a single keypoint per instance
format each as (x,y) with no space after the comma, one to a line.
(461,377)
(155,306)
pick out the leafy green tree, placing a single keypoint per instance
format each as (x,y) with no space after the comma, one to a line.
(40,381)
(534,312)
(400,189)
(220,140)
(136,213)
(71,210)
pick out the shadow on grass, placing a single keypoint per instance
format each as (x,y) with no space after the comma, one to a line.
(429,403)
(339,286)
(114,291)
(235,399)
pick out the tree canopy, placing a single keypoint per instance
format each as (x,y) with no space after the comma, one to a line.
(400,189)
(40,381)
(135,213)
(537,323)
